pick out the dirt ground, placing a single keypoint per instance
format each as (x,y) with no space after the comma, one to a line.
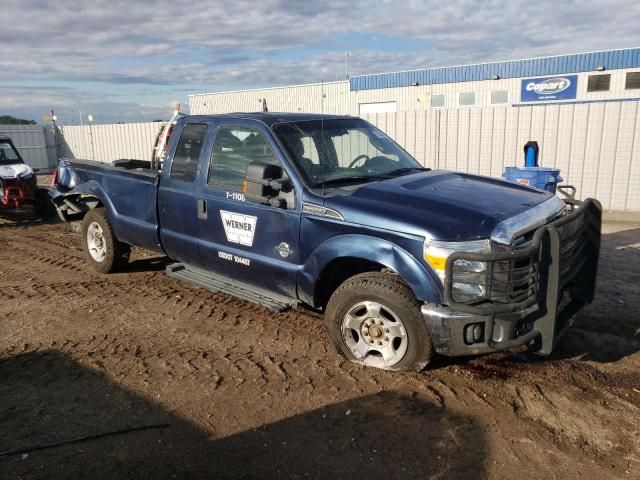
(231,390)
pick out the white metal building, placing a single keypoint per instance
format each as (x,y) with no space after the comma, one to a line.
(582,109)
(589,77)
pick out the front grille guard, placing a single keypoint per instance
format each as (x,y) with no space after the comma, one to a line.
(561,256)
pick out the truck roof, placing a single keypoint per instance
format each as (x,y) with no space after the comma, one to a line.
(270,118)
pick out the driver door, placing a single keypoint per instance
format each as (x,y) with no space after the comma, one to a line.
(251,242)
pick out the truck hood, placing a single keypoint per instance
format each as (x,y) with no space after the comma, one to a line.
(13,170)
(437,204)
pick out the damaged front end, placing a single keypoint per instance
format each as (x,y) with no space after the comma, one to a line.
(531,288)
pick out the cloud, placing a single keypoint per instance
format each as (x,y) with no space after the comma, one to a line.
(177,44)
(70,103)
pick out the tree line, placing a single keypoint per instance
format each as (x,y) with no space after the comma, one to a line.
(9,120)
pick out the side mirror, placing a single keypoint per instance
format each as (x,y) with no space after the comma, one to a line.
(263,183)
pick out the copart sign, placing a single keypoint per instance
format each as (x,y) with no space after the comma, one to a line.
(549,88)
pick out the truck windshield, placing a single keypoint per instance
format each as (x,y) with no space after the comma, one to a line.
(8,155)
(337,152)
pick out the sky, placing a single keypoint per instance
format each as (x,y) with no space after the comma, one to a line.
(124,61)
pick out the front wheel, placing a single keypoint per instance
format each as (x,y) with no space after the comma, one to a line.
(374,319)
(102,250)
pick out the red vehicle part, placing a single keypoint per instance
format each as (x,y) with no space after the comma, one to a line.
(18,183)
(14,193)
(54,178)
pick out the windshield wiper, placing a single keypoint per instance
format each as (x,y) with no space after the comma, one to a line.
(400,171)
(370,178)
(354,179)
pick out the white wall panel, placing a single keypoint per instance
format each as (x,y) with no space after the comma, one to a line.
(632,201)
(563,125)
(623,156)
(547,135)
(106,143)
(607,148)
(463,136)
(591,157)
(495,160)
(485,141)
(511,147)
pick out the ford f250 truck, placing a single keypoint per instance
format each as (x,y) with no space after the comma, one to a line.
(328,211)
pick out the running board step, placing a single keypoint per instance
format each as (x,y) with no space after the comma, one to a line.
(218,283)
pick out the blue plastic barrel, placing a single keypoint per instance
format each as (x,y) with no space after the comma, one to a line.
(530,156)
(539,177)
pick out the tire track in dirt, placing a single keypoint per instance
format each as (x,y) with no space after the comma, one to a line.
(175,299)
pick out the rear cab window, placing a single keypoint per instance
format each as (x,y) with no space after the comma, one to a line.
(185,160)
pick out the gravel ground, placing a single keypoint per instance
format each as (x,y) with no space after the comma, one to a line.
(235,391)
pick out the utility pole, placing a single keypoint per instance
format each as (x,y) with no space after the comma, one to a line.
(346,66)
(56,142)
(90,118)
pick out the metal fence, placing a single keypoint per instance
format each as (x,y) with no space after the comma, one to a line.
(35,143)
(106,143)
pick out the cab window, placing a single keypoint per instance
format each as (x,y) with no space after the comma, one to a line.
(234,149)
(185,160)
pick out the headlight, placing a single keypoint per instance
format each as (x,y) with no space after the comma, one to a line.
(436,254)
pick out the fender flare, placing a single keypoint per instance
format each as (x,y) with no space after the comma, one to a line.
(88,188)
(419,279)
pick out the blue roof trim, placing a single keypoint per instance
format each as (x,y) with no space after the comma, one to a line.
(580,62)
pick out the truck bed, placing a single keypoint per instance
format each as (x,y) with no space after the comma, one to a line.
(117,167)
(129,194)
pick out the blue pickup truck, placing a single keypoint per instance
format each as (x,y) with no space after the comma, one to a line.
(329,212)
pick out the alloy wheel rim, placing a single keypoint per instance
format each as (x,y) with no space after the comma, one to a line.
(374,334)
(95,242)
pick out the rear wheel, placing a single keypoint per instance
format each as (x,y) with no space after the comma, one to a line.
(102,250)
(374,319)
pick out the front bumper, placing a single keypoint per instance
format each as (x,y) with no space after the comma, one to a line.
(531,294)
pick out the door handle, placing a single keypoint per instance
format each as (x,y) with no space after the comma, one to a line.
(202,208)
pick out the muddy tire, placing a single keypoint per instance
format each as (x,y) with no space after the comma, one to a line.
(101,248)
(374,319)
